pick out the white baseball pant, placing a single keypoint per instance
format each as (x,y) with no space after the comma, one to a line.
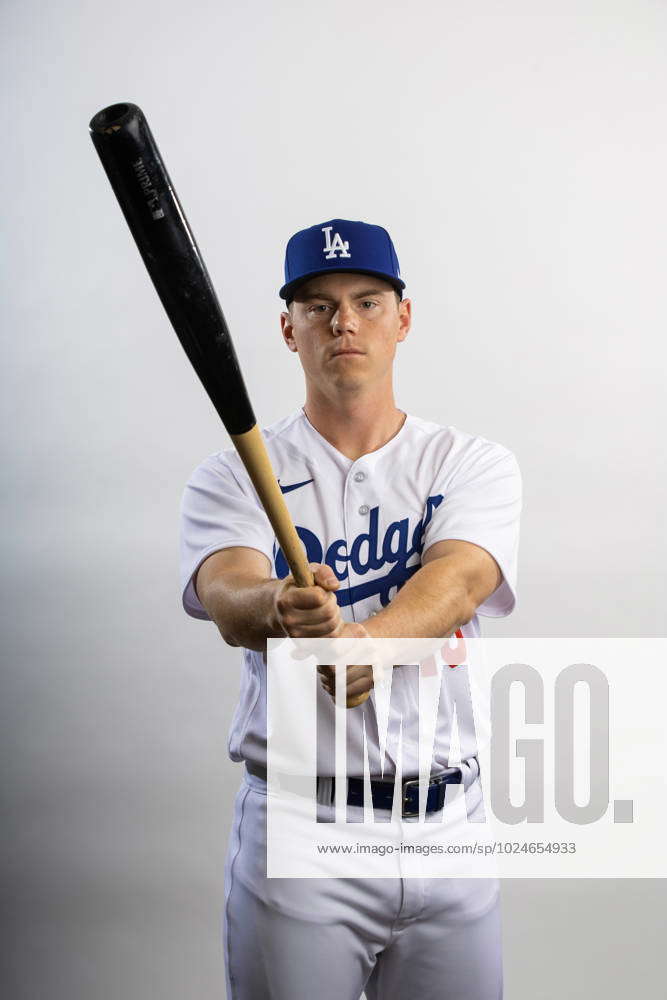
(334,938)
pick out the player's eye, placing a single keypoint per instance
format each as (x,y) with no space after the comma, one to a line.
(319,307)
(368,304)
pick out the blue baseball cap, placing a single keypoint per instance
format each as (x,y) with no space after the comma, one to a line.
(340,245)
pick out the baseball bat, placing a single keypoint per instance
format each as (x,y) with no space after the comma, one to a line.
(140,181)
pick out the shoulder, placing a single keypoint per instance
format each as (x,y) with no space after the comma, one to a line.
(450,446)
(216,467)
(284,440)
(286,429)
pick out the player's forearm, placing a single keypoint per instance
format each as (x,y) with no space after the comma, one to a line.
(243,607)
(432,603)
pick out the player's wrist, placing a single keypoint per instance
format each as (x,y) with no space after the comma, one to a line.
(275,624)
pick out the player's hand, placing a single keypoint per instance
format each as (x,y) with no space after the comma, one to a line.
(359,679)
(309,612)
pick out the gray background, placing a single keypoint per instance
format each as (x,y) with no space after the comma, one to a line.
(517,154)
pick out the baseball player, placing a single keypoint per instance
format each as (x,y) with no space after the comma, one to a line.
(411,529)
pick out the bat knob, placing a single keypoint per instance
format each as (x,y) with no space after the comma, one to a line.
(111,119)
(358,699)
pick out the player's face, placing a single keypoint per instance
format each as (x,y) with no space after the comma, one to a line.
(345,328)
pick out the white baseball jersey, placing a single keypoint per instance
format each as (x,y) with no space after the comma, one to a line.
(370,520)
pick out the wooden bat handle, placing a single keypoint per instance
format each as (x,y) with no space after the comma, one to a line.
(255,458)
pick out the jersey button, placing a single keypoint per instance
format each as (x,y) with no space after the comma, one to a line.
(364,509)
(359,477)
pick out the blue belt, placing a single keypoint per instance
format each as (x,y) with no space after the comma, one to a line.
(382,793)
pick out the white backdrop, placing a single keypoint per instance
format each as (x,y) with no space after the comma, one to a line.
(517,155)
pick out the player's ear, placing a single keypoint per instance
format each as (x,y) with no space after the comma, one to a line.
(288,331)
(404,318)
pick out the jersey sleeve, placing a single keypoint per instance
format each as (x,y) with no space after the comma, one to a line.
(218,511)
(481,503)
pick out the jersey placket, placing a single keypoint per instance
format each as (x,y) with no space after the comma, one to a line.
(359,502)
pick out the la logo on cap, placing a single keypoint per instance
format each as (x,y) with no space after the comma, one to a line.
(335,246)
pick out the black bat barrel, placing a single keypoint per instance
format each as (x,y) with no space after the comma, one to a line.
(133,164)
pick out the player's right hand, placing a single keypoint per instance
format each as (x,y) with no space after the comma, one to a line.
(309,612)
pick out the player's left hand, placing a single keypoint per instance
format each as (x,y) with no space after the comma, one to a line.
(359,678)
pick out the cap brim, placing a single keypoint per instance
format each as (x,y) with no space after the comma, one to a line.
(288,290)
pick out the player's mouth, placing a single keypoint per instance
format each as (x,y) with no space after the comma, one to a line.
(344,351)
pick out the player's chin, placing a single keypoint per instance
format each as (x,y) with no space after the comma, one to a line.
(348,366)
(349,377)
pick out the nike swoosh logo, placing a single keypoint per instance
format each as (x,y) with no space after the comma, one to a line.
(295,486)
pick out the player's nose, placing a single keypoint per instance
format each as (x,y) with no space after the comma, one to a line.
(345,319)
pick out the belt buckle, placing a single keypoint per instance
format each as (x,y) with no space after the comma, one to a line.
(405,812)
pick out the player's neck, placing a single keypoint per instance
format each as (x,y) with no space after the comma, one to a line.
(357,425)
